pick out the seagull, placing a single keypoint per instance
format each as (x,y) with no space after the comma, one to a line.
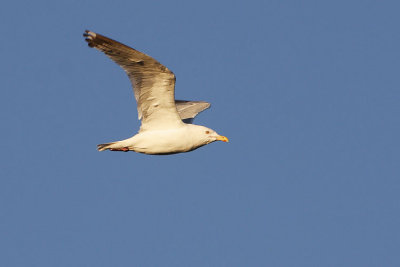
(166,123)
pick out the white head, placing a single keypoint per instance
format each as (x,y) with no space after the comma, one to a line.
(203,135)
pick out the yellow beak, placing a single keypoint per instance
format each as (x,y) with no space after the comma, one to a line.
(222,138)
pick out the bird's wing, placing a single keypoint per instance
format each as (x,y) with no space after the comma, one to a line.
(189,109)
(153,83)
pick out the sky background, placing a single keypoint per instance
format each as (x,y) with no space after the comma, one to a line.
(306,91)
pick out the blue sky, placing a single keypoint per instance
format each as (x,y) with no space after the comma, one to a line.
(307,92)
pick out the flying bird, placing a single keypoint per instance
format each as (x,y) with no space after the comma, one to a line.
(166,123)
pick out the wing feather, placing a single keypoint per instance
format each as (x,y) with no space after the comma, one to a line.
(189,109)
(153,84)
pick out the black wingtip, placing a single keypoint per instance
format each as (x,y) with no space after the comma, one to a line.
(88,38)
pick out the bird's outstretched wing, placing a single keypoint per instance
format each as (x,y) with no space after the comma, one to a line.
(189,109)
(153,84)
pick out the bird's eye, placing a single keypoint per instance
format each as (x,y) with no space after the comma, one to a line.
(207,132)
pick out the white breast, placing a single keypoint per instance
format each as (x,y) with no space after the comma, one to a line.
(163,141)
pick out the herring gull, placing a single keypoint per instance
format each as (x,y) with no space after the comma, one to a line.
(165,122)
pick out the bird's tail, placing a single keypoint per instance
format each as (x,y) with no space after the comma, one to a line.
(102,147)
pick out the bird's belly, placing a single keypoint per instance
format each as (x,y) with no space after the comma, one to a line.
(163,142)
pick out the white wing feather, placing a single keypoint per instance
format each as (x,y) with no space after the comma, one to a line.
(153,84)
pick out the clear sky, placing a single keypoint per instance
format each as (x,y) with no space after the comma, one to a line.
(306,91)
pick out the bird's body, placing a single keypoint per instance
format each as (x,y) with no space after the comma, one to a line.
(186,138)
(164,129)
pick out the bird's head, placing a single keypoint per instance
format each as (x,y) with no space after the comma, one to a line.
(206,135)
